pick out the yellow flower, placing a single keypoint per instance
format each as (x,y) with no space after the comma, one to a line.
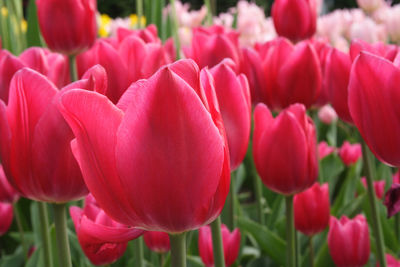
(24,25)
(4,11)
(134,20)
(104,26)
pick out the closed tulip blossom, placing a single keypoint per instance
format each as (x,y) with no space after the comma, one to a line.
(293,73)
(379,187)
(295,19)
(348,241)
(6,215)
(311,209)
(285,149)
(324,150)
(230,241)
(327,114)
(102,239)
(68,26)
(35,139)
(372,101)
(7,193)
(157,241)
(350,153)
(158,160)
(234,101)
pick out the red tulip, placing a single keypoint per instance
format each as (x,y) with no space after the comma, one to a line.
(102,239)
(148,34)
(68,26)
(311,209)
(230,241)
(324,150)
(380,49)
(251,67)
(7,193)
(211,45)
(293,73)
(164,138)
(234,100)
(348,241)
(284,149)
(337,75)
(54,66)
(157,241)
(379,187)
(391,261)
(396,177)
(350,153)
(295,19)
(35,139)
(373,96)
(6,215)
(322,48)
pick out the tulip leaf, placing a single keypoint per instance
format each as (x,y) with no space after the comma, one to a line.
(323,258)
(331,167)
(33,32)
(269,242)
(194,261)
(261,262)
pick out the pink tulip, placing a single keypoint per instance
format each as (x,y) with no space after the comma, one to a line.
(234,100)
(324,150)
(327,114)
(102,239)
(285,149)
(230,241)
(7,193)
(68,26)
(157,241)
(6,215)
(379,187)
(164,138)
(391,261)
(349,153)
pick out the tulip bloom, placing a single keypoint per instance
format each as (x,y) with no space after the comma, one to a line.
(211,45)
(391,261)
(157,241)
(68,26)
(164,138)
(392,200)
(285,149)
(311,209)
(35,139)
(373,96)
(102,239)
(53,65)
(379,187)
(295,19)
(7,193)
(348,241)
(350,153)
(293,73)
(6,215)
(234,101)
(324,150)
(327,114)
(230,241)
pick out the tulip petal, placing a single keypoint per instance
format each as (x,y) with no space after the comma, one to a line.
(170,154)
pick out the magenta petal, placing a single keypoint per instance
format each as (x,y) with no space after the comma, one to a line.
(392,200)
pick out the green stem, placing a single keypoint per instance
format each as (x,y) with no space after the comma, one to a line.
(178,250)
(175,28)
(209,16)
(290,233)
(60,221)
(218,248)
(138,250)
(72,68)
(310,245)
(139,12)
(397,225)
(258,193)
(376,222)
(44,228)
(20,230)
(229,207)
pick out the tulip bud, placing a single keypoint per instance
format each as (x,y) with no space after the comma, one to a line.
(234,101)
(7,192)
(230,241)
(327,114)
(68,26)
(350,153)
(369,6)
(379,187)
(6,215)
(324,150)
(164,138)
(102,239)
(348,241)
(157,241)
(311,209)
(295,19)
(285,149)
(373,96)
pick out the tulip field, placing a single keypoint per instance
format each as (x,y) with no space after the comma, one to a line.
(253,137)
